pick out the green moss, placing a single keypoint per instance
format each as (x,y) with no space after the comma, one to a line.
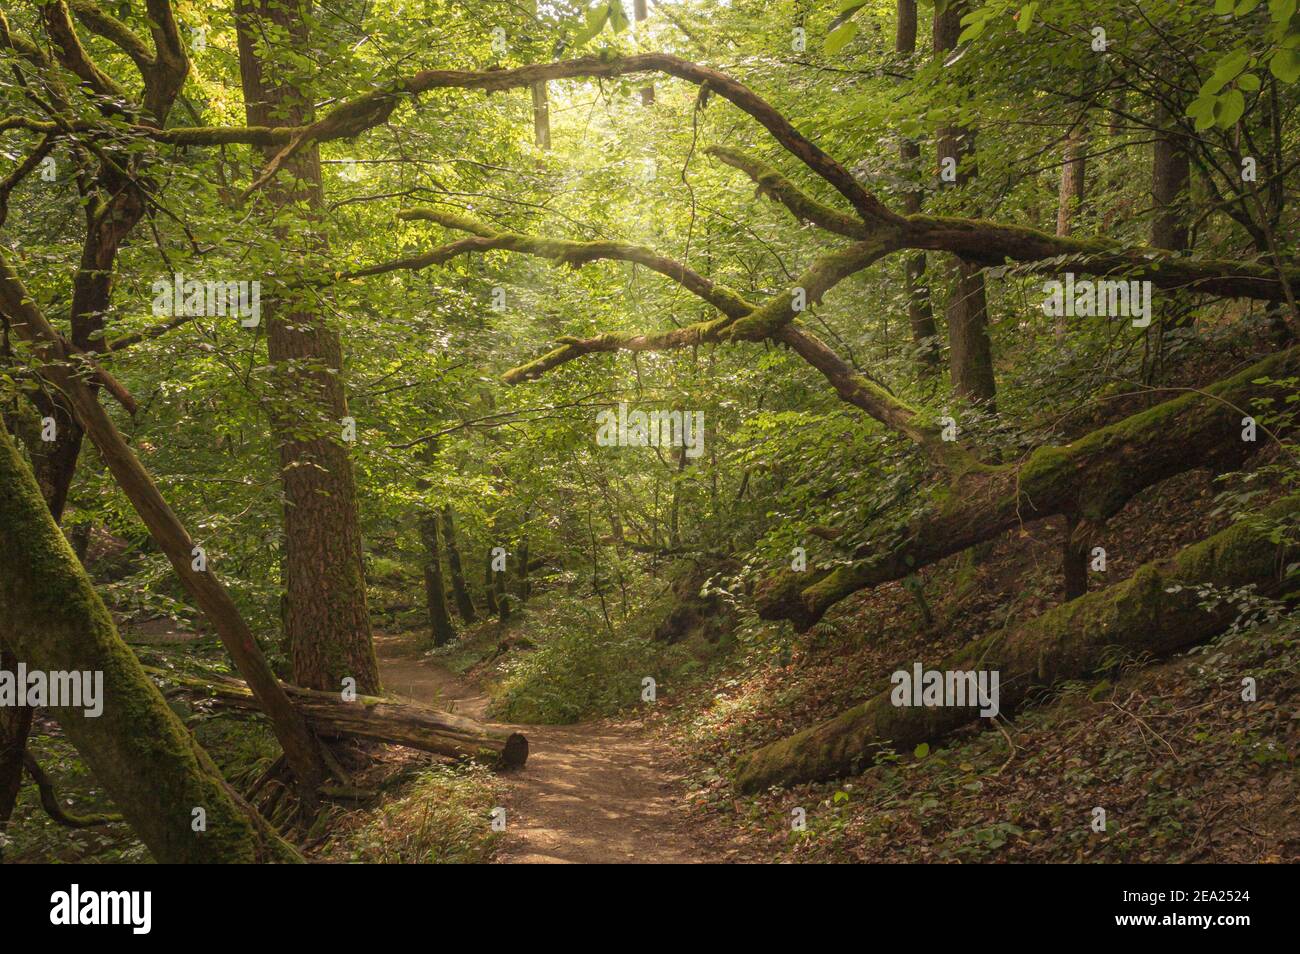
(138,749)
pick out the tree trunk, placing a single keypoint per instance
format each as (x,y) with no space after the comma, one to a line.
(500,581)
(1142,615)
(541,103)
(1073,169)
(1071,194)
(464,604)
(15,726)
(522,569)
(327,623)
(1092,478)
(920,315)
(970,352)
(441,630)
(639,14)
(541,117)
(137,748)
(1169,176)
(53,465)
(489,585)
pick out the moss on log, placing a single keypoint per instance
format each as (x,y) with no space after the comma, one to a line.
(1140,614)
(1091,478)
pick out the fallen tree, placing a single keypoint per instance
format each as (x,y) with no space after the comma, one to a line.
(60,368)
(136,747)
(1156,611)
(1088,480)
(376,719)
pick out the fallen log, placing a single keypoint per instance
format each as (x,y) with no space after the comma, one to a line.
(1155,611)
(370,717)
(1090,479)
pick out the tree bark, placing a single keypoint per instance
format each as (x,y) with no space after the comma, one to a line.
(970,353)
(920,315)
(1143,615)
(137,748)
(522,569)
(541,117)
(489,585)
(441,630)
(327,622)
(541,104)
(1169,177)
(639,14)
(15,726)
(464,603)
(1073,179)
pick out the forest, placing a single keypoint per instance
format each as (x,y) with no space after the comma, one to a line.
(649,431)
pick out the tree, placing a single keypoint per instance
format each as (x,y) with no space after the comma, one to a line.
(326,619)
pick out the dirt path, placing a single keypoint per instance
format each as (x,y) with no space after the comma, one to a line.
(590,793)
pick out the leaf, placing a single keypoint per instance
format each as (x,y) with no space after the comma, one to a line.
(838,38)
(1245,6)
(1025,19)
(1281,10)
(1226,70)
(617,16)
(1248,81)
(846,10)
(922,750)
(1285,65)
(1223,7)
(1229,108)
(1202,110)
(596,18)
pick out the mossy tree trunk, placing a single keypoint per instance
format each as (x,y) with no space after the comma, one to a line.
(1155,611)
(137,748)
(1089,479)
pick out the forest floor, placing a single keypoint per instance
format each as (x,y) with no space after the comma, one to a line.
(595,792)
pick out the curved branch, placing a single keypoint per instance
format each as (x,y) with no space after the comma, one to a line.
(372,109)
(780,189)
(572,254)
(73,56)
(50,800)
(740,320)
(994,243)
